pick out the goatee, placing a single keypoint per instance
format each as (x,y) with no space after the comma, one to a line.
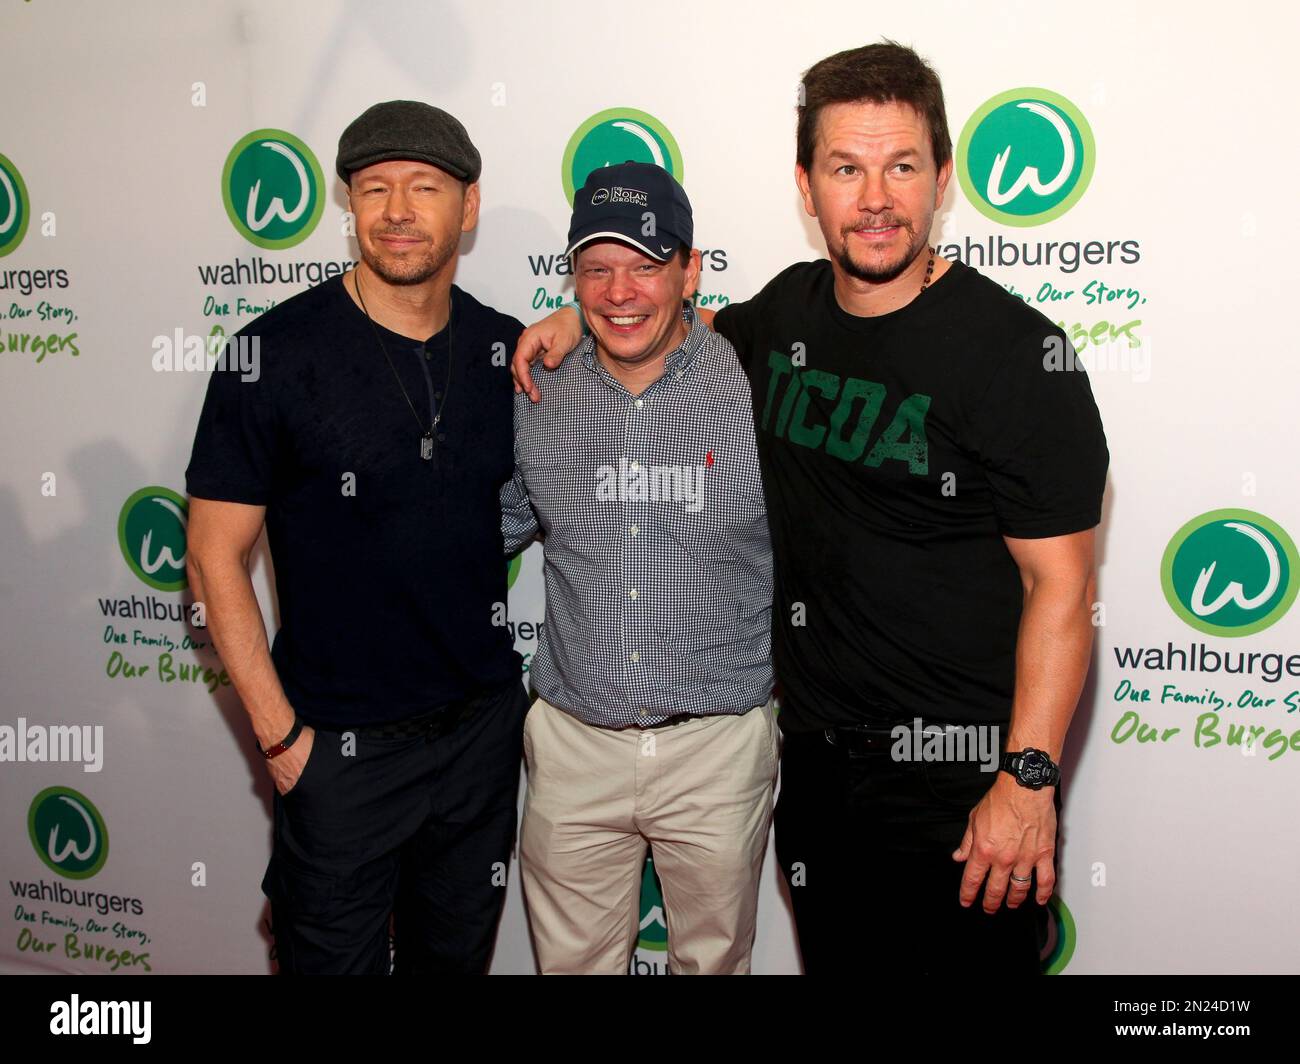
(410,273)
(883,273)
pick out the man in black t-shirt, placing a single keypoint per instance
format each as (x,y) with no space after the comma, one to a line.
(373,441)
(933,481)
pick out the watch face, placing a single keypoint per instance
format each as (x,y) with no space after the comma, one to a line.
(1034,768)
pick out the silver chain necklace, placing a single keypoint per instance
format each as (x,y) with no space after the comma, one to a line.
(429,435)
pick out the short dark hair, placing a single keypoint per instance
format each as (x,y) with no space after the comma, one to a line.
(877,73)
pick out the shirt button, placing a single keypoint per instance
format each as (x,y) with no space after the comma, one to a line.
(634,530)
(636,655)
(678,374)
(636,466)
(640,403)
(632,593)
(428,355)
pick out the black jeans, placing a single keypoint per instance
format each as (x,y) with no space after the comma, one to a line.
(865,844)
(417,827)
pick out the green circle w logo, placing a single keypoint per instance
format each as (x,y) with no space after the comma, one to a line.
(67,832)
(1055,953)
(273,188)
(151,533)
(1025,157)
(1230,572)
(14,210)
(618,135)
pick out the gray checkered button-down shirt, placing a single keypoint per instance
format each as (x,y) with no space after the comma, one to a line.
(658,564)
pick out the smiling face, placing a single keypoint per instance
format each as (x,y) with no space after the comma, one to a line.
(409,218)
(633,303)
(873,187)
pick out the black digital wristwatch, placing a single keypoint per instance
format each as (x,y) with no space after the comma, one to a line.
(1032,768)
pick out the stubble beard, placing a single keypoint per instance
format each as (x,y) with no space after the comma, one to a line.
(408,272)
(880,274)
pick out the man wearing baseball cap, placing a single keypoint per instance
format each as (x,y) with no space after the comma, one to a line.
(654,723)
(373,447)
(889,376)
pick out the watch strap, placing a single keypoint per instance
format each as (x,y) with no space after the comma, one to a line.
(283,744)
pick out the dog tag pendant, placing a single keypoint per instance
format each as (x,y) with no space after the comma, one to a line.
(426,446)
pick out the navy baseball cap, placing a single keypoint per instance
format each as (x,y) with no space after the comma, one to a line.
(613,204)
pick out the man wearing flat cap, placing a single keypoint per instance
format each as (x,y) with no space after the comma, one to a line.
(654,723)
(373,447)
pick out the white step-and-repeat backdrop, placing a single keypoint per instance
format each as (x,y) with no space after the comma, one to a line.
(1143,205)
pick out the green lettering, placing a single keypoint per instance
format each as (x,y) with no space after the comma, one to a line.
(915,450)
(780,365)
(854,388)
(828,385)
(1206,733)
(791,393)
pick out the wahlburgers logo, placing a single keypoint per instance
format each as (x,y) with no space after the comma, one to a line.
(1230,572)
(653,933)
(273,189)
(151,533)
(67,832)
(1055,952)
(14,210)
(618,135)
(1025,157)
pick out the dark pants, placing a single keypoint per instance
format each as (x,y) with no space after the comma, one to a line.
(865,844)
(417,827)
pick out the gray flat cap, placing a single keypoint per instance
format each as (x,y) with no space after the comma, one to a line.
(406,129)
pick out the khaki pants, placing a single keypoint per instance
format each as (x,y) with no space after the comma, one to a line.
(700,793)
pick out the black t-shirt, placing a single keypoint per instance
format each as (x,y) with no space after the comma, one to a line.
(389,569)
(897,451)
